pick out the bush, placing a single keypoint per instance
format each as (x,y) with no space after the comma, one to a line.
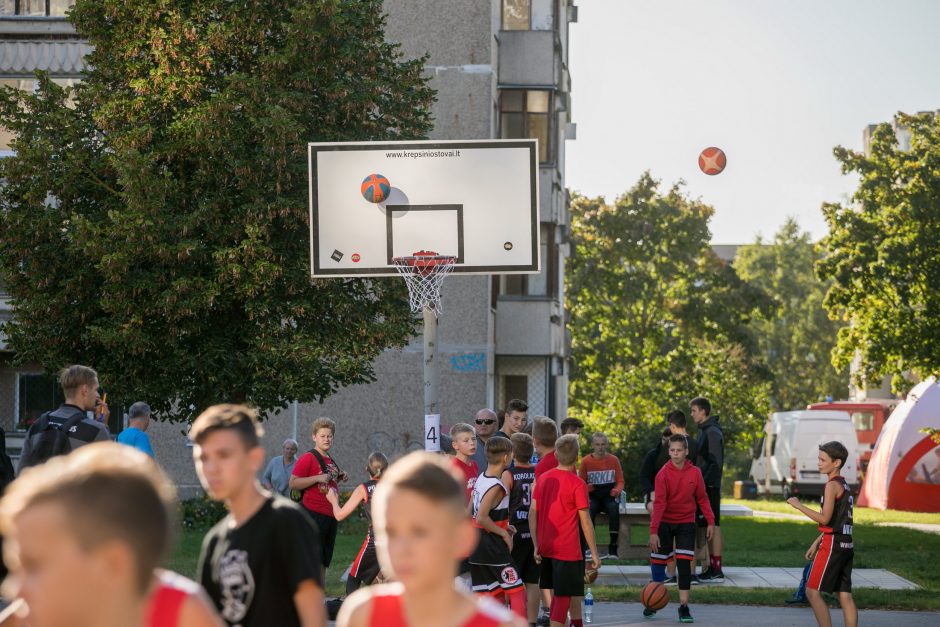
(201,512)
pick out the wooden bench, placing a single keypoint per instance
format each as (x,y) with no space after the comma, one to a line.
(635,514)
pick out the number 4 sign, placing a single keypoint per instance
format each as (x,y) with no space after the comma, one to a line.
(432,432)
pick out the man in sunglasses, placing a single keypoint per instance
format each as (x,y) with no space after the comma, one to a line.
(485,424)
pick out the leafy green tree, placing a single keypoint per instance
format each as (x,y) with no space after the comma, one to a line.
(797,340)
(656,319)
(154,219)
(882,256)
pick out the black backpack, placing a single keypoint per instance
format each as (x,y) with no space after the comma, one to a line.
(298,495)
(48,440)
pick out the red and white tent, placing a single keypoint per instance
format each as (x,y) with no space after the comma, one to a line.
(904,472)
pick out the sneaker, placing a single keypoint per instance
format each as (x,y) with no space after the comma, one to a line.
(684,615)
(605,556)
(648,613)
(712,576)
(796,601)
(543,620)
(671,581)
(695,580)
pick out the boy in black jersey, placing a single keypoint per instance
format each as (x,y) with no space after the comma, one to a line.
(832,565)
(491,567)
(520,497)
(260,564)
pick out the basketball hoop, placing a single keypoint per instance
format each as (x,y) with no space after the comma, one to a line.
(424,272)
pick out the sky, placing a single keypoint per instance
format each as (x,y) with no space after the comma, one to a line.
(777,84)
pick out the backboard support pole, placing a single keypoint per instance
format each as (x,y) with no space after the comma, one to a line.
(432,413)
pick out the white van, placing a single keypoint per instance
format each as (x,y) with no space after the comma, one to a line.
(785,459)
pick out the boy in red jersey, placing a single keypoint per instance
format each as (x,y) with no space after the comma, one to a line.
(544,435)
(679,486)
(604,476)
(832,563)
(422,532)
(491,568)
(464,440)
(559,505)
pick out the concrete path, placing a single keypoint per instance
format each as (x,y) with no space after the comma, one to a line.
(631,615)
(925,527)
(758,577)
(780,516)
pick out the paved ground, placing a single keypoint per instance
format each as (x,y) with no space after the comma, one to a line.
(630,615)
(759,577)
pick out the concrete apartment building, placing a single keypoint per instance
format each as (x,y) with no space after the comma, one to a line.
(500,71)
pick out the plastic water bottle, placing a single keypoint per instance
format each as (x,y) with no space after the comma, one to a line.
(589,607)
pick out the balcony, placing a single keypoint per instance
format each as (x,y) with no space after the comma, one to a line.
(528,326)
(527,57)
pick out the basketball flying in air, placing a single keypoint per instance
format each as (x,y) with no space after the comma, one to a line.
(375,188)
(712,160)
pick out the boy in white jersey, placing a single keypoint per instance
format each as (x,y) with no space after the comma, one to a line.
(834,550)
(491,568)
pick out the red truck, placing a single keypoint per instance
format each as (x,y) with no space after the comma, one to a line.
(868,416)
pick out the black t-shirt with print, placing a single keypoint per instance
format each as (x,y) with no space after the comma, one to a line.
(252,572)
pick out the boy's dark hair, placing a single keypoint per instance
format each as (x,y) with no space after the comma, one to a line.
(522,447)
(500,418)
(676,418)
(108,491)
(570,425)
(679,438)
(702,403)
(496,447)
(241,419)
(667,433)
(516,405)
(423,473)
(836,451)
(544,431)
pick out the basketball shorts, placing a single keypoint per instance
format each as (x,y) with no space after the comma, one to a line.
(523,557)
(492,579)
(680,535)
(328,527)
(832,567)
(365,567)
(564,578)
(714,499)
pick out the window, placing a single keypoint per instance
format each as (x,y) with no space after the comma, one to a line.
(515,284)
(527,14)
(35,395)
(525,114)
(515,386)
(28,84)
(863,420)
(35,8)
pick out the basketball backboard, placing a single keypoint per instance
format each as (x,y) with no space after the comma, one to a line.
(474,200)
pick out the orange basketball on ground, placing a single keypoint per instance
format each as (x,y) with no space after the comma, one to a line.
(712,161)
(654,596)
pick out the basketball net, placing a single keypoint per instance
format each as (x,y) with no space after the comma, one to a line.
(424,273)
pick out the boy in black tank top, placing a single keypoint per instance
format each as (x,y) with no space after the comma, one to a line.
(520,497)
(833,551)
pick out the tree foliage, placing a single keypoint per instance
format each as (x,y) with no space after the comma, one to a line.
(882,255)
(656,319)
(153,221)
(797,339)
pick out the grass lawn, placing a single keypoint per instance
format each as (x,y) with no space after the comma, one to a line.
(749,542)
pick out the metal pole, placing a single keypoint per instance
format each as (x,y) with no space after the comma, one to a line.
(295,422)
(432,419)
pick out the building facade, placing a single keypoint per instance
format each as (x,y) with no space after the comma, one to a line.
(500,70)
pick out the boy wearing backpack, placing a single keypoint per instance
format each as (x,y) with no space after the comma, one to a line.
(68,427)
(315,473)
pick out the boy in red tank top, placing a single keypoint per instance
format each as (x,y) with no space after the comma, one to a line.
(422,533)
(833,551)
(464,440)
